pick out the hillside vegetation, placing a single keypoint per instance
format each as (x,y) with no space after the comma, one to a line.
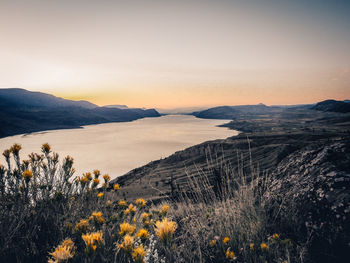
(46,215)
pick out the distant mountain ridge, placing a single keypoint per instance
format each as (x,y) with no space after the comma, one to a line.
(259,110)
(22,97)
(23,111)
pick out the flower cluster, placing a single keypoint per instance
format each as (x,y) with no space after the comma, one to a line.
(93,240)
(165,229)
(126,228)
(82,226)
(97,218)
(63,252)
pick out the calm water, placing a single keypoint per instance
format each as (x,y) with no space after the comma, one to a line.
(116,148)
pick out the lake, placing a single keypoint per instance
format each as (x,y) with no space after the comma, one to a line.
(116,148)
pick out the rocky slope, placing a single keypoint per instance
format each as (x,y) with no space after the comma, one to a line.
(313,185)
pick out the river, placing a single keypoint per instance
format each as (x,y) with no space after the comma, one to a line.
(116,148)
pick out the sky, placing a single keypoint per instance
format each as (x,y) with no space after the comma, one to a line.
(177,53)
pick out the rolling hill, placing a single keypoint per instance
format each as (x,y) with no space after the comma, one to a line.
(333,106)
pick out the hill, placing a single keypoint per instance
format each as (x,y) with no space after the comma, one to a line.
(333,106)
(23,98)
(234,112)
(22,111)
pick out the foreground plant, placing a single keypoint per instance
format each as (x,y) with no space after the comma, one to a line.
(63,252)
(165,229)
(92,241)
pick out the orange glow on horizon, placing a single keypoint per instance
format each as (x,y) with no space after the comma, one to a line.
(207,98)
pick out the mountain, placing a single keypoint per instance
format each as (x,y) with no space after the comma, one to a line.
(333,106)
(21,97)
(22,111)
(233,112)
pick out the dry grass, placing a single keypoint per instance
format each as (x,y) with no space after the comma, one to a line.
(239,213)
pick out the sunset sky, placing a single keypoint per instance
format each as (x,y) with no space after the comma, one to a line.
(177,53)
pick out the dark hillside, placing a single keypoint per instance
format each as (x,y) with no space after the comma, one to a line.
(22,111)
(333,106)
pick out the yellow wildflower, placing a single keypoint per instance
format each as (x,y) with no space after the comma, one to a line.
(127,243)
(96,181)
(145,216)
(126,228)
(116,187)
(212,243)
(106,177)
(84,180)
(165,229)
(69,159)
(46,148)
(100,195)
(82,225)
(27,175)
(61,254)
(275,236)
(229,254)
(97,217)
(93,240)
(122,203)
(96,214)
(131,209)
(96,173)
(141,202)
(88,176)
(264,247)
(251,247)
(64,251)
(143,234)
(68,243)
(15,148)
(165,208)
(138,254)
(6,154)
(226,240)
